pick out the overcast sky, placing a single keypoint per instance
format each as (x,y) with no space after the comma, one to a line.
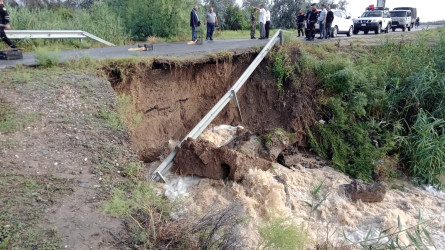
(427,10)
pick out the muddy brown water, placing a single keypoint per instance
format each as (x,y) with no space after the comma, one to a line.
(173,97)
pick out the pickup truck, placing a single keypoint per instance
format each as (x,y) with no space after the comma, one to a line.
(400,19)
(376,20)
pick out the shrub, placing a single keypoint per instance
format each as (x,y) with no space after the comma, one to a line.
(47,58)
(283,234)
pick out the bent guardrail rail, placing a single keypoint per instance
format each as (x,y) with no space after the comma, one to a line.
(211,115)
(53,34)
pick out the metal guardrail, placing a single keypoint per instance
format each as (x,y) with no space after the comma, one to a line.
(53,34)
(211,115)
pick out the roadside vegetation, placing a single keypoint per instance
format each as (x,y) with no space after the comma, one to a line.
(123,22)
(376,102)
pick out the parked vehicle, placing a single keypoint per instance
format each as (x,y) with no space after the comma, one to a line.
(376,20)
(413,14)
(342,24)
(400,19)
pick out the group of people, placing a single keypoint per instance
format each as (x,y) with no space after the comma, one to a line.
(264,20)
(4,25)
(306,22)
(211,21)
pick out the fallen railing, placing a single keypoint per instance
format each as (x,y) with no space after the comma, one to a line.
(211,115)
(53,34)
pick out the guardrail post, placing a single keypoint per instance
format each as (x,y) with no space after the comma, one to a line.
(281,37)
(237,104)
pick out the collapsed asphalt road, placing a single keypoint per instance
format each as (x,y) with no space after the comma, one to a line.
(181,49)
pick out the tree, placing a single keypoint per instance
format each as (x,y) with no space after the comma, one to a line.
(255,3)
(162,18)
(340,5)
(235,19)
(284,12)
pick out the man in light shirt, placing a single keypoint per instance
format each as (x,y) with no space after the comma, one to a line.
(322,21)
(211,21)
(262,20)
(267,28)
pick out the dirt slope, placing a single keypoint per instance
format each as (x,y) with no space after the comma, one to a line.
(59,142)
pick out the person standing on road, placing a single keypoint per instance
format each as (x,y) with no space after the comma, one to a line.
(253,23)
(267,28)
(312,20)
(300,22)
(211,21)
(4,25)
(322,21)
(194,22)
(417,22)
(306,24)
(329,20)
(262,20)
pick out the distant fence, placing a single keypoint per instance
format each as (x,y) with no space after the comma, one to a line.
(53,34)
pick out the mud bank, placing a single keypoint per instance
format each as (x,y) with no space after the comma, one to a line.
(173,96)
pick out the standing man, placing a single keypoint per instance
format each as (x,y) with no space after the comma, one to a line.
(306,24)
(210,20)
(253,23)
(267,23)
(322,21)
(300,22)
(329,20)
(312,20)
(194,22)
(4,24)
(262,20)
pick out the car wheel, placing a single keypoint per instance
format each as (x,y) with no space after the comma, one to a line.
(334,32)
(393,29)
(366,32)
(350,31)
(379,29)
(387,29)
(355,32)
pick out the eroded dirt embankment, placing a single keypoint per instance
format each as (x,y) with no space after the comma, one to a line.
(173,96)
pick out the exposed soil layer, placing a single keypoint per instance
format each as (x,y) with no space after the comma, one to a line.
(203,158)
(174,96)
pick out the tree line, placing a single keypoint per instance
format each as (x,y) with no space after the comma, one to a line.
(170,18)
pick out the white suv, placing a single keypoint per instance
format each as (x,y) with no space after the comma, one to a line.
(378,20)
(342,24)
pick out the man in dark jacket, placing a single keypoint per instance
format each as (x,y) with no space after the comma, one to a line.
(329,20)
(306,21)
(311,21)
(4,24)
(300,22)
(194,22)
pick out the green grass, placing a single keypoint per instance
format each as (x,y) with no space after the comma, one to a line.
(12,121)
(24,200)
(282,233)
(110,119)
(47,59)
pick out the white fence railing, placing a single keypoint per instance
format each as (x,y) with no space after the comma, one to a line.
(211,115)
(53,34)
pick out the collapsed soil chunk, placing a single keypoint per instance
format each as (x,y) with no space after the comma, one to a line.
(203,158)
(358,190)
